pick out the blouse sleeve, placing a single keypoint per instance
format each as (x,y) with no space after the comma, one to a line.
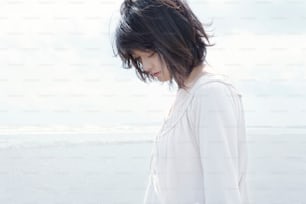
(150,196)
(215,123)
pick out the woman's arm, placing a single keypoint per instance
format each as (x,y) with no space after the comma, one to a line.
(216,126)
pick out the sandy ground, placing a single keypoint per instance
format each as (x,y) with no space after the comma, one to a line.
(118,173)
(87,173)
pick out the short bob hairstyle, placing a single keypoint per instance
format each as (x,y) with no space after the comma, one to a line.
(166,27)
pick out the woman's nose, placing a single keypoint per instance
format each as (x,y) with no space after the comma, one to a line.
(147,67)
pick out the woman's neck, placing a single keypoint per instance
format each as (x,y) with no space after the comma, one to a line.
(196,73)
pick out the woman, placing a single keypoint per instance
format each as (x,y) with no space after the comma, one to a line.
(199,155)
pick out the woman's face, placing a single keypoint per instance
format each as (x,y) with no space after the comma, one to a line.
(152,64)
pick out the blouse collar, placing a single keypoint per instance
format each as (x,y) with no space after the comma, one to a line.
(183,98)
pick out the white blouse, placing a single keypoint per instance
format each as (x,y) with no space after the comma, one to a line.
(199,155)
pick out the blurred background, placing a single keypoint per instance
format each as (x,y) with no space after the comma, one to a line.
(75,127)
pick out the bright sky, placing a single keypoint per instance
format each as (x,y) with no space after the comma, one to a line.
(57,66)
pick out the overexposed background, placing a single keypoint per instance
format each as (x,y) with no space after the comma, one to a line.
(61,84)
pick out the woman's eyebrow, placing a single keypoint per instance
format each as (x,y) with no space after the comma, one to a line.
(134,57)
(132,54)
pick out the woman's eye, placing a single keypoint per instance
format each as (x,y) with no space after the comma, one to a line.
(152,54)
(138,59)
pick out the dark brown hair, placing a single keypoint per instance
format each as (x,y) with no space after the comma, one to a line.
(167,27)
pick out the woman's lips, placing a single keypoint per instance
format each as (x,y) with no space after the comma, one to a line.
(156,74)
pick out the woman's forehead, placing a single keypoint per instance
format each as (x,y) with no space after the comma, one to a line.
(137,52)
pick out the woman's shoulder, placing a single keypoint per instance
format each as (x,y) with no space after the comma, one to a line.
(214,83)
(215,93)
